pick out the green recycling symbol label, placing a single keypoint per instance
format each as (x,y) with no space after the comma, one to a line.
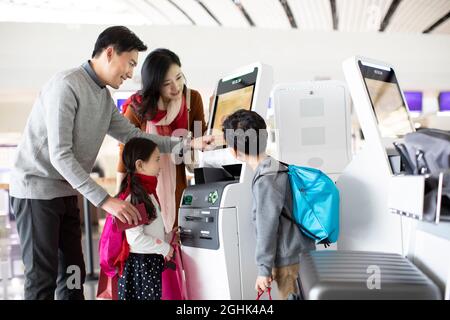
(213,196)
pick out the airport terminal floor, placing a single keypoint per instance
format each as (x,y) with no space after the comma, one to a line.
(12,284)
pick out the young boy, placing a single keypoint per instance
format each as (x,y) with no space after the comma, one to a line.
(278,240)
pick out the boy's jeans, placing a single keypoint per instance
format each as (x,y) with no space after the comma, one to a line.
(286,278)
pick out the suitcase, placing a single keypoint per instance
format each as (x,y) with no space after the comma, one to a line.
(361,275)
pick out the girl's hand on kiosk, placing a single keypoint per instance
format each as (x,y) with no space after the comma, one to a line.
(262,283)
(122,210)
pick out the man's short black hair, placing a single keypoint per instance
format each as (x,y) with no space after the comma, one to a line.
(245,131)
(121,38)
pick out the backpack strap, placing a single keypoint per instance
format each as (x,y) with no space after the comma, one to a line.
(283,213)
(284,163)
(268,174)
(271,173)
(325,242)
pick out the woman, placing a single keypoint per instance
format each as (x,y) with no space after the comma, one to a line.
(162,106)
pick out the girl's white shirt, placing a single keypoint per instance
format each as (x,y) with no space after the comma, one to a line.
(149,239)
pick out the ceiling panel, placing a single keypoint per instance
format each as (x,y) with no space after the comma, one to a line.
(415,16)
(173,14)
(196,12)
(361,15)
(443,28)
(266,13)
(411,16)
(113,6)
(226,12)
(312,14)
(150,12)
(70,11)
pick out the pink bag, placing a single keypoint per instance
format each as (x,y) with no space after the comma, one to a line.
(110,246)
(113,247)
(107,287)
(173,281)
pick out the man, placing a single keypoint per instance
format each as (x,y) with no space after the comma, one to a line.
(68,122)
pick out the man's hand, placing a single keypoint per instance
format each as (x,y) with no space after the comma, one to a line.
(262,283)
(122,210)
(203,143)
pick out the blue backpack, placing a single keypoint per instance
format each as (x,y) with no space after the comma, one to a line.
(315,203)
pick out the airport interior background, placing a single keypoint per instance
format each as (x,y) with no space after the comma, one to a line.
(302,40)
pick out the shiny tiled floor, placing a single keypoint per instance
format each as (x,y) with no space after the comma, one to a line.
(13,289)
(11,266)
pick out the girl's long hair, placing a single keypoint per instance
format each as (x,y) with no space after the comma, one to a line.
(153,73)
(137,149)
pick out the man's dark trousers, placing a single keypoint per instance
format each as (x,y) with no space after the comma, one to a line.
(50,239)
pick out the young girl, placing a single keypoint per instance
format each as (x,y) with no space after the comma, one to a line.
(141,277)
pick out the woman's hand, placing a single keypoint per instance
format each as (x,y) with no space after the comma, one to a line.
(122,210)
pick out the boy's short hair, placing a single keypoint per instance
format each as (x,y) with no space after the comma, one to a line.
(245,131)
(121,38)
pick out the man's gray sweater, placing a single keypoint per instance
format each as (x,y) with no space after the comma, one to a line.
(63,135)
(279,241)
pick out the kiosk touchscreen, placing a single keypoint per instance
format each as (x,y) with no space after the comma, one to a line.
(387,101)
(232,94)
(245,88)
(381,107)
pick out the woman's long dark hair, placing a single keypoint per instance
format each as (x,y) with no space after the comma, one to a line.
(153,73)
(137,149)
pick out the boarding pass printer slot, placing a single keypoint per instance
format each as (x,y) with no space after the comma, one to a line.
(422,197)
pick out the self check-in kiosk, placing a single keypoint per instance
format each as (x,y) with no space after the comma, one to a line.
(217,234)
(364,185)
(381,206)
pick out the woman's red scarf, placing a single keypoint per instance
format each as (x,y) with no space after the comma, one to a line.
(149,183)
(180,121)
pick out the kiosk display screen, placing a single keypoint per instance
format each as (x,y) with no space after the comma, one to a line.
(387,101)
(232,95)
(230,102)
